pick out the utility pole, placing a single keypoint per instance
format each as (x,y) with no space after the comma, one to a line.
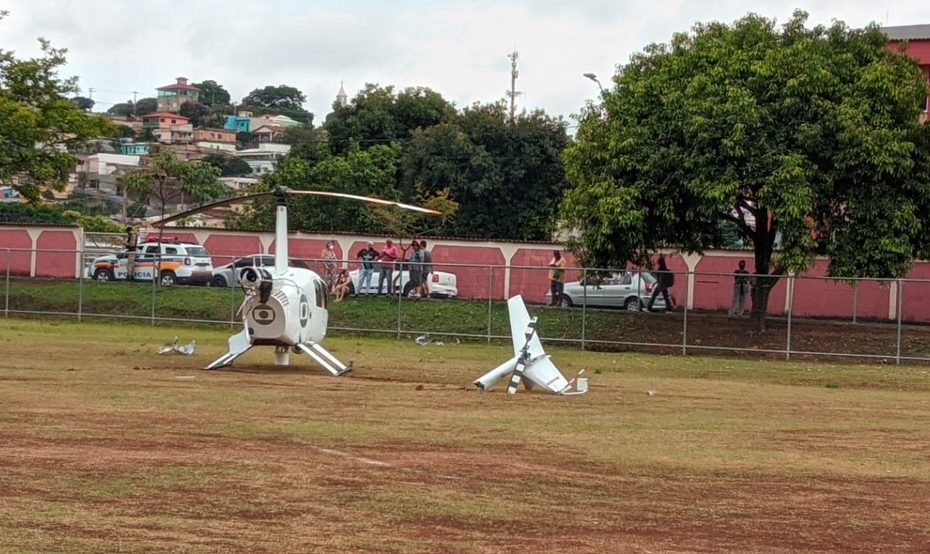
(513,93)
(90,92)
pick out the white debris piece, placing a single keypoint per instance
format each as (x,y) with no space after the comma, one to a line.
(423,340)
(174,347)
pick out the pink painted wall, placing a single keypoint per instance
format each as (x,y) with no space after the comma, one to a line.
(50,263)
(916,295)
(472,282)
(713,284)
(816,296)
(18,260)
(224,248)
(529,276)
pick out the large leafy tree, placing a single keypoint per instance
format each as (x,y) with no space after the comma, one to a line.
(507,177)
(280,99)
(39,125)
(229,166)
(807,140)
(165,177)
(378,115)
(145,106)
(212,93)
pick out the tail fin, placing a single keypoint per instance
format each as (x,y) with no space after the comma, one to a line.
(519,321)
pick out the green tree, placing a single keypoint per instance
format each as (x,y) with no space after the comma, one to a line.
(281,96)
(229,166)
(507,177)
(166,177)
(212,93)
(122,109)
(145,106)
(196,112)
(83,103)
(39,126)
(807,134)
(378,116)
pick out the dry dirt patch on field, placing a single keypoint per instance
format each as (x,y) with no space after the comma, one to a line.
(104,448)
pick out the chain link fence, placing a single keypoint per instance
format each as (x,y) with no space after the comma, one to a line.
(884,320)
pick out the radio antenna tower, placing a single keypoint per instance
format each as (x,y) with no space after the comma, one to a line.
(513,92)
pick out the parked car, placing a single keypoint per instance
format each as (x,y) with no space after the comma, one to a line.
(228,275)
(178,262)
(441,284)
(629,290)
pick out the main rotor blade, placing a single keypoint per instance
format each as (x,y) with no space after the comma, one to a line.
(205,207)
(365,199)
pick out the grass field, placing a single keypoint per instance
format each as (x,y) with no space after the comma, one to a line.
(106,446)
(603,329)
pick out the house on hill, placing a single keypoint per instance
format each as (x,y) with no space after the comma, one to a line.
(171,97)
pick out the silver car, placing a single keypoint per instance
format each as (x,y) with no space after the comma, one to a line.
(630,290)
(227,275)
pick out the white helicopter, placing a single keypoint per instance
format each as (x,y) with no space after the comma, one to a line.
(284,307)
(530,360)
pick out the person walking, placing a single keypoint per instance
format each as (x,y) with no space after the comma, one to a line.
(665,279)
(388,257)
(427,269)
(740,290)
(368,255)
(556,277)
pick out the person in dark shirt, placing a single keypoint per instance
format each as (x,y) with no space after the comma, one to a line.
(427,269)
(665,279)
(740,290)
(369,256)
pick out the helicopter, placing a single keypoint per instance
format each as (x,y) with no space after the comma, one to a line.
(284,307)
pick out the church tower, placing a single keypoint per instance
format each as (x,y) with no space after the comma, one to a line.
(342,99)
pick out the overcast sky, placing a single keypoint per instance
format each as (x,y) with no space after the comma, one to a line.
(458,49)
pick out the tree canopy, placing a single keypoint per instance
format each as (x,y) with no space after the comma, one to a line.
(39,125)
(493,178)
(212,93)
(280,99)
(807,139)
(167,177)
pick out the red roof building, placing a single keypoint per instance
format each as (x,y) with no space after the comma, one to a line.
(171,97)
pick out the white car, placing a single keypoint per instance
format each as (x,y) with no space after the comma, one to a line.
(441,284)
(178,263)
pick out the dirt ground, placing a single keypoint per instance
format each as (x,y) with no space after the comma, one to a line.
(105,446)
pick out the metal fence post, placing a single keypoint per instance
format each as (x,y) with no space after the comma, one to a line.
(399,291)
(584,305)
(81,288)
(791,282)
(154,281)
(684,331)
(232,304)
(856,300)
(490,298)
(897,357)
(6,296)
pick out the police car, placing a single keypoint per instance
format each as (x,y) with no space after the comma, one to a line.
(178,263)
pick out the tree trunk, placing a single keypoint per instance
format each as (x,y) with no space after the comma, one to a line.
(761,290)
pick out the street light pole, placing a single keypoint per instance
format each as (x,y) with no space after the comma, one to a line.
(593,77)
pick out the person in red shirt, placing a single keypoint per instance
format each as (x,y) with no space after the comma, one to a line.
(388,256)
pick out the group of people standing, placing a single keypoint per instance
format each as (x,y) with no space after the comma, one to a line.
(387,260)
